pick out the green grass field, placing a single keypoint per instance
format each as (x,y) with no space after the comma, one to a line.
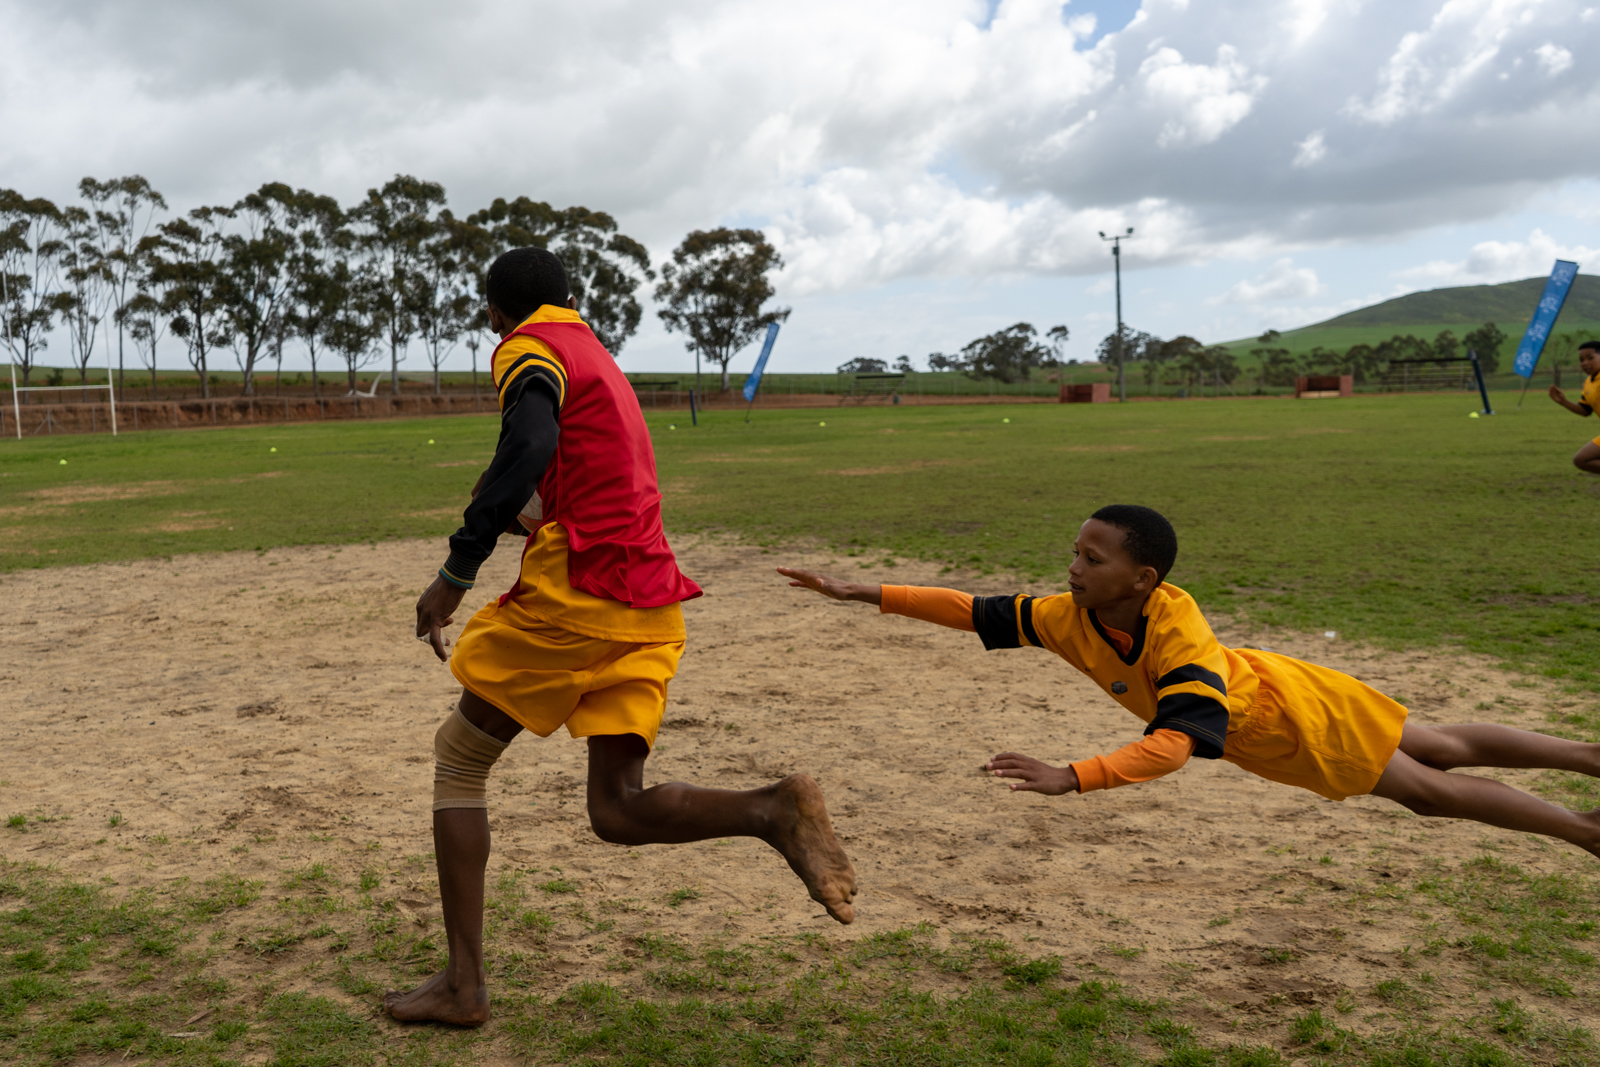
(86,976)
(1397,520)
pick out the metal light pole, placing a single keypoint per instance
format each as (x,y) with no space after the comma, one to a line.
(1116,262)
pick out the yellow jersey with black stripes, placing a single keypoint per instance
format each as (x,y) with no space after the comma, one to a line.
(1591,393)
(1176,675)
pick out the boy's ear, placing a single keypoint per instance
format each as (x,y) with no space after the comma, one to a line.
(1148,579)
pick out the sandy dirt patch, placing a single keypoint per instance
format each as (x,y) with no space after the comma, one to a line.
(258,712)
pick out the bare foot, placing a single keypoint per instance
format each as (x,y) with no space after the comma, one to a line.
(435,1002)
(804,834)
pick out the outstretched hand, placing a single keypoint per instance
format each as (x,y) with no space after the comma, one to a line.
(1557,395)
(1036,777)
(435,610)
(833,587)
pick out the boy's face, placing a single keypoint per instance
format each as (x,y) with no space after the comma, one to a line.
(1102,572)
(1589,360)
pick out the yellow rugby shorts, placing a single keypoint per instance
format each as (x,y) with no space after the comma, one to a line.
(1316,728)
(545,677)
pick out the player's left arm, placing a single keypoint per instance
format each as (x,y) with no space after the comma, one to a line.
(529,432)
(1581,408)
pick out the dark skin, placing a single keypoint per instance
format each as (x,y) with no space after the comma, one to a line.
(1105,578)
(1587,458)
(789,815)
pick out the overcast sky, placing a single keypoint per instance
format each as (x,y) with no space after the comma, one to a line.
(931,170)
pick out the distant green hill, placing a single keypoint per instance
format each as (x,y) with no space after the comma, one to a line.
(1461,309)
(1508,302)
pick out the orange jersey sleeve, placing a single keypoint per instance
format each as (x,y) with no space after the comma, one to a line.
(947,607)
(1146,759)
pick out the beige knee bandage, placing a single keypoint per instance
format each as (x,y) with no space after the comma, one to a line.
(462,756)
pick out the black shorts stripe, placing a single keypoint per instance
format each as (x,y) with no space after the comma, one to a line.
(1202,718)
(1192,672)
(995,620)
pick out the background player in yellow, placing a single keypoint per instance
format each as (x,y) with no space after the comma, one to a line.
(1145,643)
(1587,458)
(588,638)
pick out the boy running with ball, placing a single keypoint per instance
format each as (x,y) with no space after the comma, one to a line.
(1587,458)
(588,638)
(1145,643)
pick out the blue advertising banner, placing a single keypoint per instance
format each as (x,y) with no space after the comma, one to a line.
(752,383)
(1544,317)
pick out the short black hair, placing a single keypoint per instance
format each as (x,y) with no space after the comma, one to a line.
(1148,537)
(1590,344)
(522,280)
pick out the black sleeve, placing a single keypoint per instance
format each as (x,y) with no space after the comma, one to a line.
(998,618)
(529,430)
(1587,410)
(1201,717)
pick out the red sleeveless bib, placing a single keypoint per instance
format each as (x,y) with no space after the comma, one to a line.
(601,484)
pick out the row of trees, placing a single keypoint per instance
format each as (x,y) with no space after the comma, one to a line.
(350,284)
(1011,355)
(1196,365)
(1278,366)
(1008,355)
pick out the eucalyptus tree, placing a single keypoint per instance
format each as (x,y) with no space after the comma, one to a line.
(198,291)
(604,268)
(145,324)
(1007,355)
(714,290)
(31,247)
(320,277)
(357,326)
(81,303)
(124,214)
(393,223)
(255,266)
(442,297)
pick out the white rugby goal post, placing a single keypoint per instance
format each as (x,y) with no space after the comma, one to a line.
(18,390)
(49,419)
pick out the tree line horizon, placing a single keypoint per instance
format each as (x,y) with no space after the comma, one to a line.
(398,266)
(349,283)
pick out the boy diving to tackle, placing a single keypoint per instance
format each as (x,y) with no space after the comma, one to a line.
(1146,644)
(1587,458)
(588,637)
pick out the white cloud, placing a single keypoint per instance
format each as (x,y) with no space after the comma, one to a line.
(1554,58)
(1311,150)
(1431,67)
(878,142)
(1503,261)
(1281,281)
(1204,101)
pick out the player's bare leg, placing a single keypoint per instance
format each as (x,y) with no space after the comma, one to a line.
(1433,792)
(1489,745)
(458,994)
(1587,458)
(789,815)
